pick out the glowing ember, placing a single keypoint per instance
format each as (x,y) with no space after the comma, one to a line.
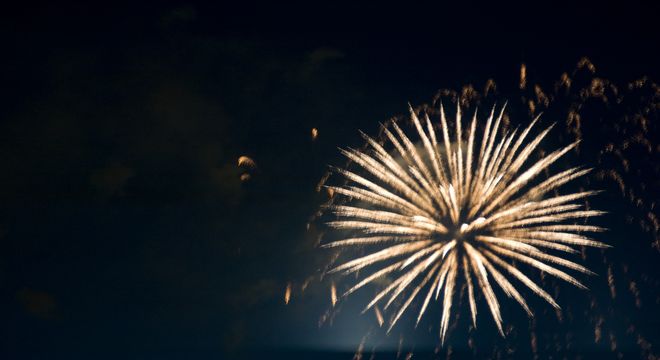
(287,293)
(246,162)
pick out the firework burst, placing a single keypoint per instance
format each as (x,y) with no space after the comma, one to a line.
(438,212)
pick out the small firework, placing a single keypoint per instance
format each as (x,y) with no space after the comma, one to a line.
(432,213)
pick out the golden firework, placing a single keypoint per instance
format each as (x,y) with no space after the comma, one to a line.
(440,211)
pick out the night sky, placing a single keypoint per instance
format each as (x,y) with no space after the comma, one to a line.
(127,232)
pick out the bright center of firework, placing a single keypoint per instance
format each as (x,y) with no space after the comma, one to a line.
(459,232)
(458,209)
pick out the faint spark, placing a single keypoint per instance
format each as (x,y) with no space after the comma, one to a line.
(379,316)
(324,318)
(635,291)
(613,344)
(360,349)
(586,63)
(598,330)
(643,343)
(610,281)
(565,81)
(541,97)
(321,182)
(490,87)
(305,284)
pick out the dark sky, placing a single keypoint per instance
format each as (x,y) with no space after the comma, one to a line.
(126,231)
